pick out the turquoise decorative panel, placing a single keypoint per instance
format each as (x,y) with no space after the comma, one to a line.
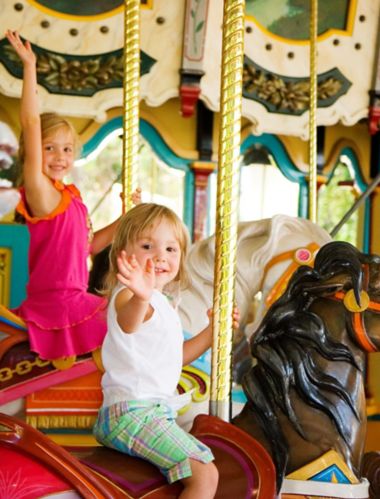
(16,238)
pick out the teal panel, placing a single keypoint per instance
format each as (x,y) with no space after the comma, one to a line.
(16,238)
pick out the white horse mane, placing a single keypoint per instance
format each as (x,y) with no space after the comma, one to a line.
(257,243)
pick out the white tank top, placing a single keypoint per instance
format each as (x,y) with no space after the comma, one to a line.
(146,364)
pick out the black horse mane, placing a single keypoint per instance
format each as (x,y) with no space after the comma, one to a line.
(286,341)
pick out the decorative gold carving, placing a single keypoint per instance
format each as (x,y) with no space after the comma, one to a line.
(286,95)
(74,74)
(78,75)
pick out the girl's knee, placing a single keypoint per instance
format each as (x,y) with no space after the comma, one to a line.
(205,474)
(213,475)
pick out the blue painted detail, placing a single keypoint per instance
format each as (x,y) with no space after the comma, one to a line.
(238,396)
(328,474)
(203,363)
(11,323)
(16,238)
(162,150)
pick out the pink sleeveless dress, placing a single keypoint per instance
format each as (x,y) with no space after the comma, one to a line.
(62,318)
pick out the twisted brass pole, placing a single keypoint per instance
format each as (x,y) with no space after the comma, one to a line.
(130,98)
(313,112)
(227,205)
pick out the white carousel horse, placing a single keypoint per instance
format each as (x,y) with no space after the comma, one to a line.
(265,250)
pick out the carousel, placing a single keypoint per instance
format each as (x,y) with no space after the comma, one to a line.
(290,403)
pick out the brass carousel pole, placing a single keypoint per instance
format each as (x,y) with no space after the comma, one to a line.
(130,98)
(227,206)
(313,111)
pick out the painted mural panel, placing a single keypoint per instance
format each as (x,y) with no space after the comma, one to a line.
(290,18)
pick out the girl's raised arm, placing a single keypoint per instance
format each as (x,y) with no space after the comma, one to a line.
(38,188)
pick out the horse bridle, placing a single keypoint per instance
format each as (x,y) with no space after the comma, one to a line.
(305,255)
(358,325)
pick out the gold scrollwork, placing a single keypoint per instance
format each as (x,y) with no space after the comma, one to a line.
(57,71)
(291,96)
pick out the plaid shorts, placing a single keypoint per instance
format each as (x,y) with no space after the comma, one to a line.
(149,430)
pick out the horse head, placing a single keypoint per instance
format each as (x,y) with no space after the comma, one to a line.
(306,391)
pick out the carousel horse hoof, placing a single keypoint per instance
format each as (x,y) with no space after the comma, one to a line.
(63,363)
(97,358)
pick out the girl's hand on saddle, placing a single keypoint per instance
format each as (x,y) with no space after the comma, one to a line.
(23,49)
(140,281)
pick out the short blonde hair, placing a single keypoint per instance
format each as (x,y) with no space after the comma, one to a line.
(133,224)
(50,123)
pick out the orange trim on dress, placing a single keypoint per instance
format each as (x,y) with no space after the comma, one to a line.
(67,192)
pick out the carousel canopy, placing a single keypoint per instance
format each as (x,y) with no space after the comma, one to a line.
(80,57)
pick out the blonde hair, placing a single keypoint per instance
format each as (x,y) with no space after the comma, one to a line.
(50,123)
(133,224)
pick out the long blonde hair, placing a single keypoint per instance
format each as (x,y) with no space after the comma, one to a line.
(134,223)
(50,123)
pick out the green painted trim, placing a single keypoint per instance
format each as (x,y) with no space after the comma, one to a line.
(16,238)
(162,150)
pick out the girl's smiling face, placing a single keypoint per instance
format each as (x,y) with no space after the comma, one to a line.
(58,154)
(160,243)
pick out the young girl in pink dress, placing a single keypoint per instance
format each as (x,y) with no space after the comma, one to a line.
(63,320)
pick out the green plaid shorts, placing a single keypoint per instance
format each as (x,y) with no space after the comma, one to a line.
(149,430)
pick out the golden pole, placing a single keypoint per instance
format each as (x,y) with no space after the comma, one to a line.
(227,207)
(130,99)
(313,112)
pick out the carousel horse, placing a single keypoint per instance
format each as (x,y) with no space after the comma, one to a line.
(306,392)
(268,251)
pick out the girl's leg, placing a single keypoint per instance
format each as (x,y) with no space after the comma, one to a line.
(203,482)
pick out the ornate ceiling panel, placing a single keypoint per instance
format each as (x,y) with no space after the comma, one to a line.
(80,57)
(276,66)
